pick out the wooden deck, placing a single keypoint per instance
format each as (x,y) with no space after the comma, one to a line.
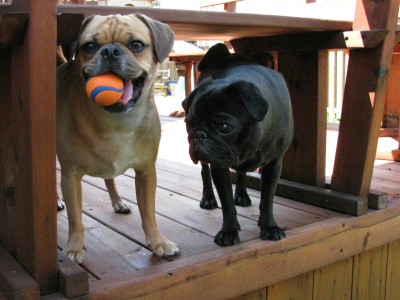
(117,256)
(337,256)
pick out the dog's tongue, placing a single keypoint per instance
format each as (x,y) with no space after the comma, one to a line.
(127,94)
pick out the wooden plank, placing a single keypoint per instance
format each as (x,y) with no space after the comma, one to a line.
(259,294)
(322,197)
(393,274)
(305,78)
(203,25)
(363,103)
(205,221)
(334,282)
(15,282)
(73,280)
(98,206)
(169,173)
(376,199)
(337,239)
(33,107)
(123,256)
(7,225)
(311,41)
(314,195)
(299,287)
(369,274)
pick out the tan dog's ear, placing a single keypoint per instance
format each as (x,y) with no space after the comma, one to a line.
(162,35)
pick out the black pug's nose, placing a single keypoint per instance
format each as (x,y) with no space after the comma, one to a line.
(200,135)
(111,52)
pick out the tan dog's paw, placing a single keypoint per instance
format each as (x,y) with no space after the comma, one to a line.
(121,208)
(75,250)
(163,247)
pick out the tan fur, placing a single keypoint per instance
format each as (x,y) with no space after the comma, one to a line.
(93,141)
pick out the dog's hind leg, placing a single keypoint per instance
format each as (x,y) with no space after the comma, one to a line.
(208,200)
(119,206)
(270,174)
(241,197)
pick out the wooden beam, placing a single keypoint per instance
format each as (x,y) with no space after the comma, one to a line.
(322,197)
(305,73)
(33,123)
(15,282)
(7,159)
(364,98)
(203,25)
(73,280)
(312,41)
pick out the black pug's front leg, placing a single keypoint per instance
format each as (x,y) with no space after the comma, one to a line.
(208,200)
(269,230)
(229,233)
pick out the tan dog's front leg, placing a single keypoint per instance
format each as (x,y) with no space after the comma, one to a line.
(145,192)
(119,206)
(72,193)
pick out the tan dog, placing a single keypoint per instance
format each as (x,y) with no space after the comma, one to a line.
(106,141)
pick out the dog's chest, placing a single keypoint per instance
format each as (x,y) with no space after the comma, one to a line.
(113,155)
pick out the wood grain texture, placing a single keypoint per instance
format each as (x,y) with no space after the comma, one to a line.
(393,274)
(334,282)
(339,238)
(363,106)
(304,161)
(33,118)
(369,274)
(299,287)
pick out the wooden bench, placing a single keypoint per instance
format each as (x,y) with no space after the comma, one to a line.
(27,106)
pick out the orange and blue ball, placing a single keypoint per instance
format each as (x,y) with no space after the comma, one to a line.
(105,89)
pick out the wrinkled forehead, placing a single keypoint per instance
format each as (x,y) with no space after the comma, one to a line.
(116,28)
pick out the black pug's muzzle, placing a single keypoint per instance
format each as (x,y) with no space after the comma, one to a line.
(111,58)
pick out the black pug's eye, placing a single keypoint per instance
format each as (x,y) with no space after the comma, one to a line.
(225,128)
(136,46)
(90,47)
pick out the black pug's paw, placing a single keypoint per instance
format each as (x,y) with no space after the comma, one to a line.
(273,233)
(208,202)
(227,238)
(242,199)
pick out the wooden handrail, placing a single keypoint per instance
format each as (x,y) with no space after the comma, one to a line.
(203,25)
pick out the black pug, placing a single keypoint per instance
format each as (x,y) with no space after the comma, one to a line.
(239,116)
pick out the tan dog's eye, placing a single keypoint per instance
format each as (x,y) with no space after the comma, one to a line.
(136,46)
(89,47)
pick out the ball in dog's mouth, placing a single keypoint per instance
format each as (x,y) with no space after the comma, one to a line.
(131,94)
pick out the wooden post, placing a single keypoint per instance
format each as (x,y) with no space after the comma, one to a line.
(306,74)
(33,74)
(364,97)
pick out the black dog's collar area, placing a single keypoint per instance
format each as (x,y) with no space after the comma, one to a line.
(138,85)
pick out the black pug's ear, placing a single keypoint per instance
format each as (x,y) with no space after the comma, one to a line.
(255,103)
(215,53)
(196,93)
(162,36)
